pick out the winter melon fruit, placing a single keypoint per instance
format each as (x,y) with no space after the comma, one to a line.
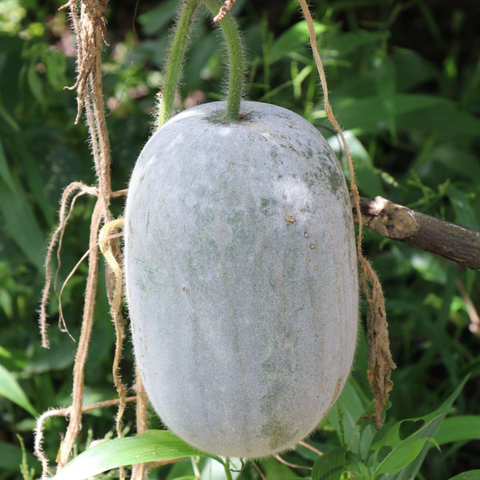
(241,277)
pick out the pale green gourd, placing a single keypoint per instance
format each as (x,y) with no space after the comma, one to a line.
(241,277)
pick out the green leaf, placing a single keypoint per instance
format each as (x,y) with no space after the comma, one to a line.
(472,475)
(5,170)
(12,359)
(56,68)
(366,177)
(329,466)
(10,389)
(395,448)
(11,458)
(152,446)
(295,37)
(154,21)
(411,69)
(429,430)
(359,469)
(35,85)
(386,87)
(370,115)
(347,43)
(351,407)
(274,470)
(452,125)
(461,428)
(463,211)
(405,453)
(21,223)
(459,161)
(19,150)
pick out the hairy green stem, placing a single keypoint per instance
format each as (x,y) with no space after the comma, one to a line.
(235,53)
(176,59)
(177,54)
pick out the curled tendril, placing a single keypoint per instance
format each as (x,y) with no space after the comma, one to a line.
(226,7)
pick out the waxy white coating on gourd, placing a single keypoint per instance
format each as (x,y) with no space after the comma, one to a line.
(241,278)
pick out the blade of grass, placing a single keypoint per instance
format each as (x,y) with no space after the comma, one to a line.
(10,389)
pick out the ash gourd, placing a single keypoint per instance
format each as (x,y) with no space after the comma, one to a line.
(241,276)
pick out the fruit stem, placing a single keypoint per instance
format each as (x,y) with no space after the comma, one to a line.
(176,59)
(234,43)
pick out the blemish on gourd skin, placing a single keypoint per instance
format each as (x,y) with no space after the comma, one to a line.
(147,223)
(290,219)
(268,205)
(279,434)
(277,429)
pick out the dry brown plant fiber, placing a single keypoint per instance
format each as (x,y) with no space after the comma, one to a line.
(380,362)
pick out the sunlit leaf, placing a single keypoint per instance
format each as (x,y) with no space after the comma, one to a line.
(152,446)
(10,389)
(405,453)
(472,475)
(292,39)
(429,430)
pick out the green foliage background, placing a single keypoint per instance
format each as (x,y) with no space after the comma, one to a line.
(404,77)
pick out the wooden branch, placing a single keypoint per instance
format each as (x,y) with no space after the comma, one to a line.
(417,230)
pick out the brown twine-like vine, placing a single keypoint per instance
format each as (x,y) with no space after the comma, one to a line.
(140,470)
(90,29)
(57,237)
(380,362)
(224,10)
(107,247)
(89,26)
(75,421)
(63,412)
(291,465)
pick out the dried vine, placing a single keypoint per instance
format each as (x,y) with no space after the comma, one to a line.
(89,26)
(224,10)
(380,362)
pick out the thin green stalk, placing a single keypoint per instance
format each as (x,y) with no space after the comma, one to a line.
(176,59)
(235,53)
(226,465)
